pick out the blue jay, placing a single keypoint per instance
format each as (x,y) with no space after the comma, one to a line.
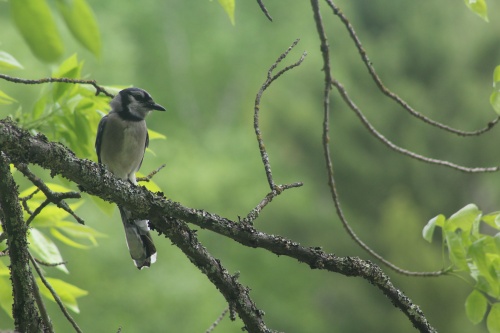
(122,138)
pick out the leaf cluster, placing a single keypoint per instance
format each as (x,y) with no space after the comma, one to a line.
(476,253)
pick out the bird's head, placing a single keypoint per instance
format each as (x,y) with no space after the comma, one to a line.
(134,104)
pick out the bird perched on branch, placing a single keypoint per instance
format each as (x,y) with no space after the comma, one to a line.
(122,138)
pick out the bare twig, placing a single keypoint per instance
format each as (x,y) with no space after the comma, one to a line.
(37,211)
(25,200)
(41,305)
(392,95)
(217,321)
(267,199)
(54,294)
(98,88)
(43,263)
(265,85)
(385,141)
(151,175)
(264,10)
(54,197)
(326,149)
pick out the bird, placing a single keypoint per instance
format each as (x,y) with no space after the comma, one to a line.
(122,138)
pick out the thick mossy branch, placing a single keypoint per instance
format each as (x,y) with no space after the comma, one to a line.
(24,311)
(163,214)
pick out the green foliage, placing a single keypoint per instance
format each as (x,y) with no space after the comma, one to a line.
(228,6)
(495,95)
(81,21)
(7,61)
(476,253)
(45,249)
(35,22)
(479,7)
(67,292)
(67,112)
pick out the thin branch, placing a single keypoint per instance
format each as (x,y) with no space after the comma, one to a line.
(54,197)
(265,85)
(391,145)
(151,175)
(392,95)
(264,10)
(24,201)
(41,305)
(254,213)
(54,294)
(326,148)
(217,321)
(98,89)
(43,263)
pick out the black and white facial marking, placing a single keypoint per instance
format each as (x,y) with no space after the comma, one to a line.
(134,104)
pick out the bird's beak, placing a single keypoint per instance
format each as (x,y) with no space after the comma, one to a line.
(157,107)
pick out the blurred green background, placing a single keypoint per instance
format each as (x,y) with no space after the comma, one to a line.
(439,57)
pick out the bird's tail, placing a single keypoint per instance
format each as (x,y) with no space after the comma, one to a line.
(139,241)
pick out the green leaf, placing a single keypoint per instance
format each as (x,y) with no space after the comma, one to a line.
(493,320)
(475,306)
(7,61)
(38,28)
(46,249)
(228,6)
(495,101)
(106,207)
(4,270)
(463,219)
(75,231)
(479,7)
(6,298)
(496,75)
(68,293)
(456,250)
(70,68)
(39,196)
(51,215)
(493,219)
(81,21)
(6,99)
(153,135)
(429,228)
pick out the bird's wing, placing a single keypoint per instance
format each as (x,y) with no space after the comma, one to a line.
(98,139)
(145,146)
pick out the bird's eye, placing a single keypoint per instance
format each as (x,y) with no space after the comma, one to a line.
(143,97)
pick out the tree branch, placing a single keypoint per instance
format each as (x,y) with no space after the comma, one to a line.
(378,81)
(23,147)
(24,311)
(98,89)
